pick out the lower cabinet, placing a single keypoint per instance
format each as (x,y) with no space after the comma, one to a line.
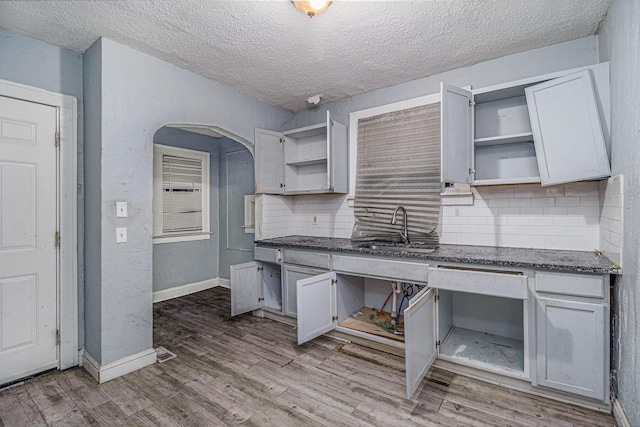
(292,274)
(552,331)
(572,336)
(328,299)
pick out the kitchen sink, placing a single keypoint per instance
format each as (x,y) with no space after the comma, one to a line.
(418,247)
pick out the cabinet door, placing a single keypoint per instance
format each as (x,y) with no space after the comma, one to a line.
(330,151)
(316,306)
(337,156)
(420,338)
(246,289)
(269,162)
(292,274)
(566,128)
(572,347)
(456,127)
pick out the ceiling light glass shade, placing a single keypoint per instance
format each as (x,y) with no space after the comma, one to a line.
(311,7)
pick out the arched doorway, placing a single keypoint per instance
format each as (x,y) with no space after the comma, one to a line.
(200,260)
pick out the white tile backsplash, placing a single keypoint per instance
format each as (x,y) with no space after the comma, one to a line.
(579,216)
(611,200)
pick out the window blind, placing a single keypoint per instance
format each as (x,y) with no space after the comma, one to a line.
(181,194)
(398,164)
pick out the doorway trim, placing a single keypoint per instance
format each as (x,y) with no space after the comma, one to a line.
(67,201)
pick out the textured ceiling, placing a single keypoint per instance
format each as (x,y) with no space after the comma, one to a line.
(270,50)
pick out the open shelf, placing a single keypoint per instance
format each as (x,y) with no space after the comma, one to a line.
(481,348)
(307,162)
(504,139)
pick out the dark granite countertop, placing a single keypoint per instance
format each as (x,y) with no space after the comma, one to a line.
(539,259)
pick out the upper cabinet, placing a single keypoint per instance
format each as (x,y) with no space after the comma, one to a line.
(547,129)
(308,160)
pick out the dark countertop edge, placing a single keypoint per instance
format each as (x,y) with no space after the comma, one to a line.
(340,246)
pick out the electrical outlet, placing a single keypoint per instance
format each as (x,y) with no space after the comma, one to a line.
(314,220)
(121,235)
(121,210)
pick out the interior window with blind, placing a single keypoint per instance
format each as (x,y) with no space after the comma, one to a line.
(180,194)
(398,164)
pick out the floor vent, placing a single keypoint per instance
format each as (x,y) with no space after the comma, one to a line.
(163,354)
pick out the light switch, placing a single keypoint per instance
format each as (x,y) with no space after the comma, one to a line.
(121,209)
(121,235)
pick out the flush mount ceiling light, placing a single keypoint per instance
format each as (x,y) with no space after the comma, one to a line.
(311,7)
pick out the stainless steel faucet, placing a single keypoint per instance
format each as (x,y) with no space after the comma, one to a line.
(404,234)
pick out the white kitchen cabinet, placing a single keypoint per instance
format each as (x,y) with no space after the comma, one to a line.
(327,299)
(567,133)
(255,285)
(292,274)
(308,160)
(509,130)
(572,335)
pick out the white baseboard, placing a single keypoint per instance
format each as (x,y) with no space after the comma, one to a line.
(109,371)
(619,413)
(190,288)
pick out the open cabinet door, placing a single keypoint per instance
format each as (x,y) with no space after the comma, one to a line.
(456,133)
(330,151)
(269,162)
(246,289)
(420,338)
(567,132)
(316,301)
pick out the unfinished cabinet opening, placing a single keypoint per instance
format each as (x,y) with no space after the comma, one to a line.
(482,331)
(271,287)
(367,308)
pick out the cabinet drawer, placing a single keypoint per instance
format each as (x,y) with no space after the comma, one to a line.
(507,285)
(272,255)
(381,268)
(311,259)
(580,285)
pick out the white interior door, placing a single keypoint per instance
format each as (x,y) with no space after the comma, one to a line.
(246,289)
(28,253)
(456,127)
(316,306)
(420,338)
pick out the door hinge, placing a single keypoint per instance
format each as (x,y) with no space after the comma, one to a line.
(57,139)
(471,103)
(281,140)
(57,239)
(57,336)
(471,171)
(438,343)
(437,297)
(260,268)
(334,318)
(260,299)
(334,281)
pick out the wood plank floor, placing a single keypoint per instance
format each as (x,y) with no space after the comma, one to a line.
(249,371)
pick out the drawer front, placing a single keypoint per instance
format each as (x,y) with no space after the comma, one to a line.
(580,285)
(381,268)
(272,255)
(311,259)
(505,285)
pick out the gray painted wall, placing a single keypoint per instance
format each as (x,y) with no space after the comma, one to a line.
(139,95)
(93,214)
(620,44)
(562,56)
(236,180)
(176,264)
(34,63)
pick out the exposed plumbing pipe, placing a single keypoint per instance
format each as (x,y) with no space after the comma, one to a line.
(396,288)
